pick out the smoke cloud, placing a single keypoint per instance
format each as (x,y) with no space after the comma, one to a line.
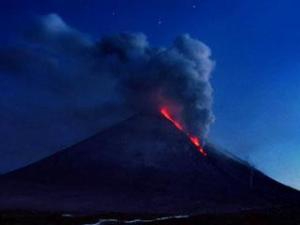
(59,77)
(177,76)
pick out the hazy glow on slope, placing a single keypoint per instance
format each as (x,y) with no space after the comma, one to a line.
(165,112)
(195,140)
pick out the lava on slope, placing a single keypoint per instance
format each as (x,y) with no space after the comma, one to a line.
(194,139)
(148,169)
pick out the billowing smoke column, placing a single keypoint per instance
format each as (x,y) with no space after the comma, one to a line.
(151,78)
(68,84)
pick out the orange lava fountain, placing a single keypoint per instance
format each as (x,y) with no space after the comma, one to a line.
(195,140)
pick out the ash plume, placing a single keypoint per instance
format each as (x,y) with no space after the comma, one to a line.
(59,75)
(150,77)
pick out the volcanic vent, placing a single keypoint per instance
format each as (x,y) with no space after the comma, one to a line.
(141,165)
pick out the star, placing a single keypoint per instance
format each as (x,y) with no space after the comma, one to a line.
(194,6)
(159,22)
(113,13)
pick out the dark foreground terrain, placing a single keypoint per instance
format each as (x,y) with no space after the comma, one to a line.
(290,216)
(151,169)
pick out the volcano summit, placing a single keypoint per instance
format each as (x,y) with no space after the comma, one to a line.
(141,165)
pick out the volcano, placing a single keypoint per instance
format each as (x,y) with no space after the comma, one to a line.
(141,165)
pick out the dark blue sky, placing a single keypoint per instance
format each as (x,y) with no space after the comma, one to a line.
(256,48)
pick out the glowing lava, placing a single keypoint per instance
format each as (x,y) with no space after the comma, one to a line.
(195,140)
(166,113)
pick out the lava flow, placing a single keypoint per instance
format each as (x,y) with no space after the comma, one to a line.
(195,140)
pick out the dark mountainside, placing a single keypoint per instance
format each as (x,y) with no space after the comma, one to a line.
(143,165)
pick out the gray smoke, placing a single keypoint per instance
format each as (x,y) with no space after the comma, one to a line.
(59,78)
(149,78)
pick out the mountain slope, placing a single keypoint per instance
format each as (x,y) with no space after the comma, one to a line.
(141,165)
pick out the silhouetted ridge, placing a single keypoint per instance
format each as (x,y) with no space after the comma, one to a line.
(141,165)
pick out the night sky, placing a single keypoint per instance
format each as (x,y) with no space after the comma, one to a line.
(255,46)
